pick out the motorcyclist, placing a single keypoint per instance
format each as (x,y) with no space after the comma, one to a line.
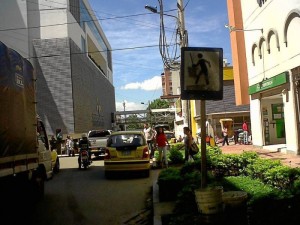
(84,144)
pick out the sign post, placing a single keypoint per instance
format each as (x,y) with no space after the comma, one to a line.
(202,79)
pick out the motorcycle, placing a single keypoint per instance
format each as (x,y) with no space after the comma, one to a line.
(84,159)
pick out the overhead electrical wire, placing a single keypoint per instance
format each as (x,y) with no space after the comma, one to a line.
(169,60)
(78,53)
(91,11)
(61,24)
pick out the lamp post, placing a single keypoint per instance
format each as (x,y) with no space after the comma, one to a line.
(169,61)
(124,106)
(232,28)
(149,108)
(186,103)
(183,43)
(154,10)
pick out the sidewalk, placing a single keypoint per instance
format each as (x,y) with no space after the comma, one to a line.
(271,152)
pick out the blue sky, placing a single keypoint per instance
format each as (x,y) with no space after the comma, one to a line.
(133,33)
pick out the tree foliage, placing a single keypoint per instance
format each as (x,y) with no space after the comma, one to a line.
(133,123)
(159,104)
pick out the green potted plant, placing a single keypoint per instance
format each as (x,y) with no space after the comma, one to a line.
(170,183)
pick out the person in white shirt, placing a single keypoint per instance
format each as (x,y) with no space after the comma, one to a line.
(70,146)
(149,135)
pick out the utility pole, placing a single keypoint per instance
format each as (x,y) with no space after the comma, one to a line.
(124,105)
(183,43)
(186,111)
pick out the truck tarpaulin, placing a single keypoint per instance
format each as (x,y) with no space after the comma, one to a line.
(17,100)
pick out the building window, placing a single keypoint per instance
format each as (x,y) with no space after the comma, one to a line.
(74,9)
(85,18)
(83,47)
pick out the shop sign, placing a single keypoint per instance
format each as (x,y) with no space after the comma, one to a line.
(269,83)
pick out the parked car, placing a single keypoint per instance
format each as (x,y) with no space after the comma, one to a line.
(127,151)
(98,140)
(170,136)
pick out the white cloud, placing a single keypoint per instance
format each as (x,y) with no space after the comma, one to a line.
(147,85)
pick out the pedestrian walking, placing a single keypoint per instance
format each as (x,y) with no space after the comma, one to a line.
(149,135)
(245,129)
(225,135)
(70,146)
(187,140)
(59,140)
(162,142)
(52,143)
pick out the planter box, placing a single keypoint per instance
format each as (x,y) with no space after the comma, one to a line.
(169,189)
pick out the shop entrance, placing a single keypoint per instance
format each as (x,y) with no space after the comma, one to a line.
(273,120)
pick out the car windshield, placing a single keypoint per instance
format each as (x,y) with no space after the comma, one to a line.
(126,140)
(98,133)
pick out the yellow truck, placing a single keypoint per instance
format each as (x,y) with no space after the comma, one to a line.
(25,156)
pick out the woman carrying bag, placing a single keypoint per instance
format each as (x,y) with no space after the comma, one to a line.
(189,144)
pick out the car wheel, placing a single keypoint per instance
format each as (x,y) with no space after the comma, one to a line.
(38,184)
(56,166)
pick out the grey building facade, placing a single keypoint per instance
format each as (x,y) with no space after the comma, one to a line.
(72,60)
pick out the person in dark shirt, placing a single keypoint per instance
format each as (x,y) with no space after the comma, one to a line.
(84,144)
(53,143)
(225,135)
(59,140)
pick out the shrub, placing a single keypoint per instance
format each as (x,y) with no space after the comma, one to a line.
(192,179)
(189,167)
(226,165)
(170,173)
(170,183)
(259,167)
(247,158)
(255,188)
(282,177)
(175,156)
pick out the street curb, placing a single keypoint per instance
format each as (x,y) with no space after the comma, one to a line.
(159,208)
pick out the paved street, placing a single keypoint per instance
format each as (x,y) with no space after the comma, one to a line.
(85,197)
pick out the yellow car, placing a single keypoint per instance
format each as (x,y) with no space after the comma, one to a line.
(127,151)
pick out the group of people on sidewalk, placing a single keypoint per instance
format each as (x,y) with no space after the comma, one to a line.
(56,143)
(245,134)
(70,145)
(156,139)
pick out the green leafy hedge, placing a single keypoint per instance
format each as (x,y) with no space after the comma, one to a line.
(273,189)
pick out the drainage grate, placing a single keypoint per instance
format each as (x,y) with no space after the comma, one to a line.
(144,217)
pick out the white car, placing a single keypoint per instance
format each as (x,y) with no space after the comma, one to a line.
(98,140)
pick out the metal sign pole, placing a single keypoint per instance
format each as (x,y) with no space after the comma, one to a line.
(203,145)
